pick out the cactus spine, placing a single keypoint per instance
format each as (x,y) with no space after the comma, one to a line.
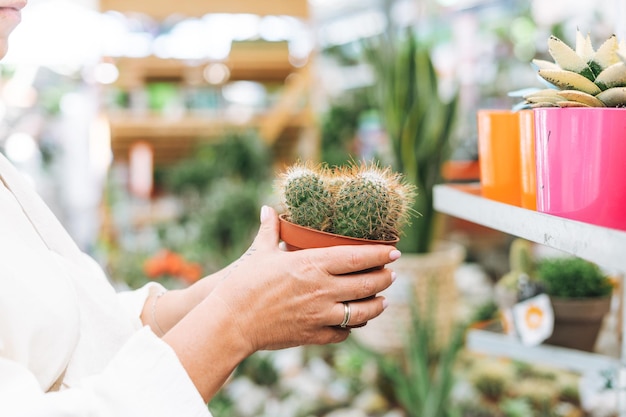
(370,204)
(359,200)
(307,196)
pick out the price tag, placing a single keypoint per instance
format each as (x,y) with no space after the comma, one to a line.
(533,319)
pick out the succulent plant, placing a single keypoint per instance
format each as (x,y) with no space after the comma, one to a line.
(361,200)
(581,77)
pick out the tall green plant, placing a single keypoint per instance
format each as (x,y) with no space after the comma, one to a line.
(422,380)
(418,121)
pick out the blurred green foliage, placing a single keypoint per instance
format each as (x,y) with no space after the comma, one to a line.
(572,277)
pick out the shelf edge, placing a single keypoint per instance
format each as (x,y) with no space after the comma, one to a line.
(604,246)
(486,342)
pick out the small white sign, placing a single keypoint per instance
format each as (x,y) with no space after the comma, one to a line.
(533,319)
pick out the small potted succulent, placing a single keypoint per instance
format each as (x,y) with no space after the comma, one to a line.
(581,77)
(352,204)
(580,293)
(579,131)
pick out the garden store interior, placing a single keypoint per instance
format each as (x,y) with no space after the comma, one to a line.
(156,131)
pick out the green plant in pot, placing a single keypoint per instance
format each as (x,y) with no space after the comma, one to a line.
(352,204)
(580,293)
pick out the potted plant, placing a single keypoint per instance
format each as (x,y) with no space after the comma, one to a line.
(580,293)
(356,203)
(419,124)
(579,129)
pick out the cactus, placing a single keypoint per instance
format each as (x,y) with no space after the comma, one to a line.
(520,264)
(519,283)
(359,200)
(521,256)
(370,204)
(307,196)
(491,379)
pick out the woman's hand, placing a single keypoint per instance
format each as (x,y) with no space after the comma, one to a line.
(272,299)
(280,299)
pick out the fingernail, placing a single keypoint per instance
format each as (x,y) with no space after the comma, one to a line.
(395,254)
(385,304)
(393,276)
(264,213)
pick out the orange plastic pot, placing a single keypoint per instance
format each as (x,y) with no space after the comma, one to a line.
(499,155)
(300,237)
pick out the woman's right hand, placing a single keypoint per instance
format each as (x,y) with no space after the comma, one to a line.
(273,299)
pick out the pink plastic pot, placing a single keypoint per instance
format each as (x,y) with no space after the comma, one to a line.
(581,164)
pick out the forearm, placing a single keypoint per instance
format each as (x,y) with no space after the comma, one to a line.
(211,352)
(161,311)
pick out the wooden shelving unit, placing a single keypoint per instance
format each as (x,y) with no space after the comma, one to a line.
(173,135)
(161,9)
(173,138)
(266,62)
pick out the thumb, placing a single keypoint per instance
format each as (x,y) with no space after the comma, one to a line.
(269,230)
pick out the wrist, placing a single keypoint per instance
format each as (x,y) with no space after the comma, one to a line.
(209,345)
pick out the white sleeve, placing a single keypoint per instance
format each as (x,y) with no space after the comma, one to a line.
(132,301)
(145,378)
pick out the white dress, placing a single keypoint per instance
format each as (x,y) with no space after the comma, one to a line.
(69,344)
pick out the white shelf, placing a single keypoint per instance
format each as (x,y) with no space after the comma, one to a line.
(497,344)
(604,246)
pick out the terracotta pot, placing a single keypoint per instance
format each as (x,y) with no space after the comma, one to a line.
(577,322)
(300,237)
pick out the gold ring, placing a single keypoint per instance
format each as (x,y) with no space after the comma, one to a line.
(346,315)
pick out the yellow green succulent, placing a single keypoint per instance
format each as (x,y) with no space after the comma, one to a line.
(581,76)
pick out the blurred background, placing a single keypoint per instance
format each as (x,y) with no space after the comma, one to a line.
(154,131)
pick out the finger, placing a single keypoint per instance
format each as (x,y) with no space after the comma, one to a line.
(268,234)
(340,260)
(363,285)
(351,314)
